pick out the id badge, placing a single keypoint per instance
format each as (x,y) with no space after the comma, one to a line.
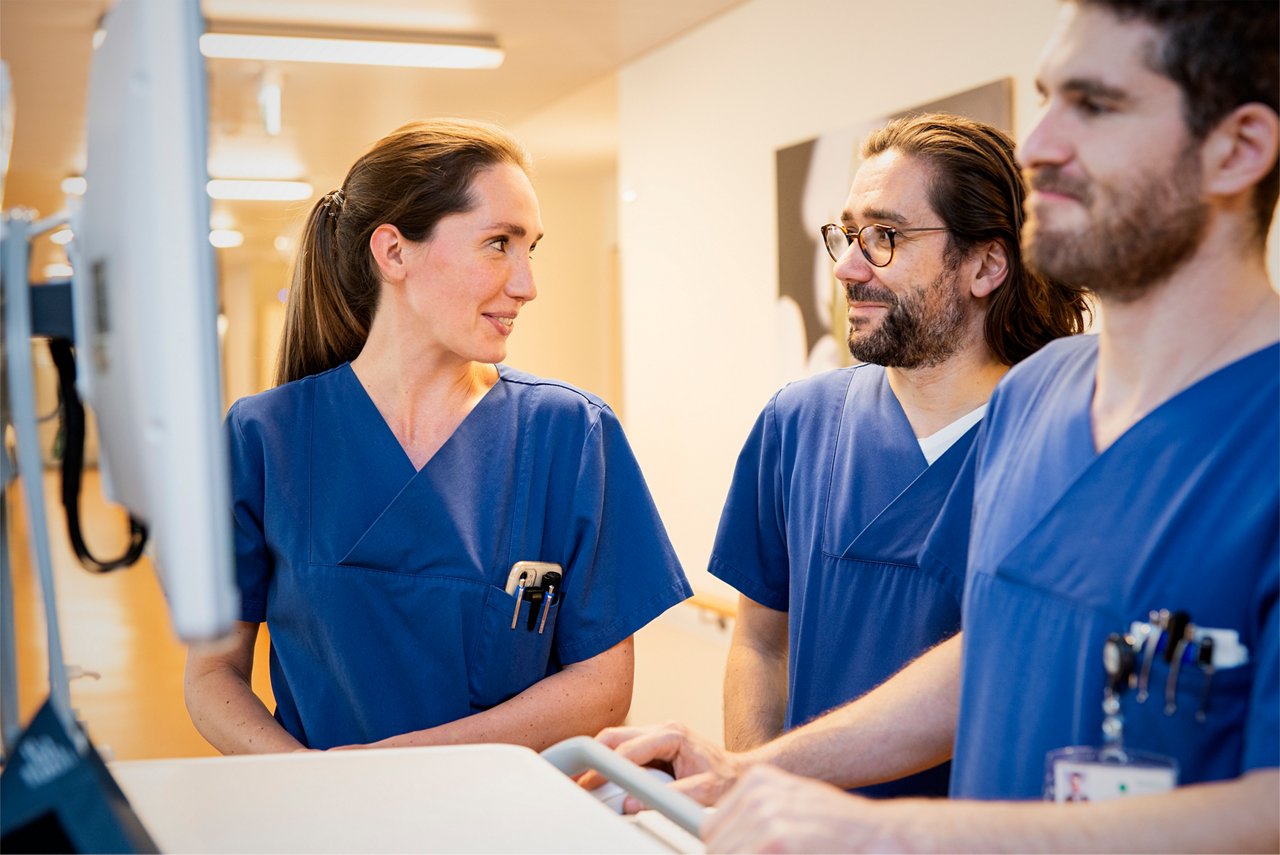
(1082,773)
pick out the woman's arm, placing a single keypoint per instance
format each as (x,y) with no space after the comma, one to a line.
(221,701)
(580,700)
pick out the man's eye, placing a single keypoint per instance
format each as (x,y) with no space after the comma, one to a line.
(500,244)
(1091,107)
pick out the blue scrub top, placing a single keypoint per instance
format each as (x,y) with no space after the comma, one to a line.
(830,502)
(384,587)
(1182,512)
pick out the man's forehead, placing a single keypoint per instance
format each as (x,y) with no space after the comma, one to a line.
(1093,44)
(890,188)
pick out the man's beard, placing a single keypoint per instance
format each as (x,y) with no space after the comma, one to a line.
(1136,236)
(919,330)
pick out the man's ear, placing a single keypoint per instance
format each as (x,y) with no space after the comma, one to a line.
(993,268)
(1241,150)
(387,245)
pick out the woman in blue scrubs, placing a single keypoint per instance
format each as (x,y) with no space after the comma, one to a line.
(385,488)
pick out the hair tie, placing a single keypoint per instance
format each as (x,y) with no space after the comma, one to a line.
(333,201)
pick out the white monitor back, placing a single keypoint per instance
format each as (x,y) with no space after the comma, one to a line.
(146,305)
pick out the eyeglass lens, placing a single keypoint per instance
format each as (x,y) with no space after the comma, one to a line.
(876,243)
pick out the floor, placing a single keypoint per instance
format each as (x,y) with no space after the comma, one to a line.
(114,625)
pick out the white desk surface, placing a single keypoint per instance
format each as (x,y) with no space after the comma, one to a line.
(469,798)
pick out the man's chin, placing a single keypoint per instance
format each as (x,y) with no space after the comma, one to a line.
(864,351)
(1055,254)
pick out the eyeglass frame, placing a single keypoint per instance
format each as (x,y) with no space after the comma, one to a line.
(852,237)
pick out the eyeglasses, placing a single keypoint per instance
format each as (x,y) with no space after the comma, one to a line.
(877,242)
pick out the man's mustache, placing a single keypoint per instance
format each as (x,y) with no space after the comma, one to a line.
(1049,179)
(859,292)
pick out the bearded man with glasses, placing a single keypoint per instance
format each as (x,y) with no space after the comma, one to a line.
(844,473)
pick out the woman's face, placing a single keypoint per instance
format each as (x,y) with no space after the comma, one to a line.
(470,279)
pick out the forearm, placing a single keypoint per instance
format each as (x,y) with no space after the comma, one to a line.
(231,717)
(1230,816)
(755,698)
(755,693)
(580,700)
(905,725)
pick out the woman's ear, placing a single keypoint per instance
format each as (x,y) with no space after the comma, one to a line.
(387,245)
(993,269)
(1241,150)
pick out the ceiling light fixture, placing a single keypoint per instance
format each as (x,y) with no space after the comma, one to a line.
(347,46)
(259,190)
(226,238)
(74,185)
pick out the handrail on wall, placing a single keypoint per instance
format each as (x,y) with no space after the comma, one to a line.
(721,608)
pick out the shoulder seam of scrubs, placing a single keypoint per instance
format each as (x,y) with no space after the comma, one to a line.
(531,380)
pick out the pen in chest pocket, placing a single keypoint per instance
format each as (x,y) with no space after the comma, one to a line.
(535,582)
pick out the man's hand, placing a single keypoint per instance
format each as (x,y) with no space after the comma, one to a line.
(703,771)
(775,811)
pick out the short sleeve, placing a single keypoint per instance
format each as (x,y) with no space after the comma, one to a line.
(623,571)
(1262,733)
(253,563)
(750,551)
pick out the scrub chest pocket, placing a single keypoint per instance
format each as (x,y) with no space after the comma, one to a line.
(509,660)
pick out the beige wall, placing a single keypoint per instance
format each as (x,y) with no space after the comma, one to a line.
(571,331)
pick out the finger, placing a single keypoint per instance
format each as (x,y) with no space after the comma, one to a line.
(614,736)
(727,829)
(652,746)
(591,780)
(705,788)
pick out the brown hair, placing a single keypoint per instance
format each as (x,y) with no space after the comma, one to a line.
(976,189)
(1221,55)
(410,179)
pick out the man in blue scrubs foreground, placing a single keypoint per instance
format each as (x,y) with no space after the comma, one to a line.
(1114,477)
(844,473)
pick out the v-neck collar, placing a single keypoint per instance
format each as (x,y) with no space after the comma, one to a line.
(388,436)
(1161,410)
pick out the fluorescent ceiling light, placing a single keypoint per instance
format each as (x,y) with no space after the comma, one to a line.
(349,47)
(226,238)
(259,190)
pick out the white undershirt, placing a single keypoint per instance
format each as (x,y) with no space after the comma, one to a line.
(936,444)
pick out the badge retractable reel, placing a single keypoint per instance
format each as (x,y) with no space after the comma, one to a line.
(1081,773)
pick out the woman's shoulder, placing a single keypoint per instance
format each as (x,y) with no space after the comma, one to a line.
(542,394)
(284,401)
